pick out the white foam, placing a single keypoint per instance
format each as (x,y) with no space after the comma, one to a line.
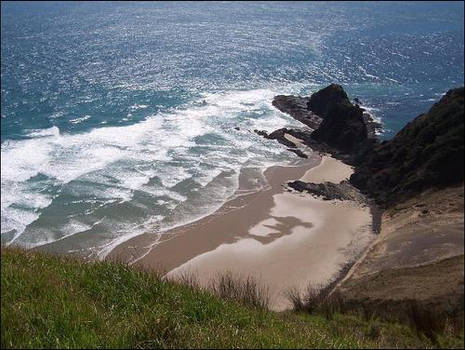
(162,192)
(71,228)
(393,80)
(16,219)
(366,73)
(135,107)
(80,119)
(372,112)
(208,177)
(112,162)
(172,175)
(122,235)
(75,226)
(53,131)
(58,114)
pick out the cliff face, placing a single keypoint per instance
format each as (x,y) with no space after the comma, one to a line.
(416,263)
(427,152)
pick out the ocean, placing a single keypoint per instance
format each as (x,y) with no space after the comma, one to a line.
(121,118)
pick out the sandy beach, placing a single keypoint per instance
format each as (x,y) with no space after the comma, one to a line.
(228,224)
(283,239)
(330,169)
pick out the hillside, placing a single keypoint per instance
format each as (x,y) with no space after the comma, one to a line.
(57,302)
(415,262)
(427,153)
(418,256)
(415,266)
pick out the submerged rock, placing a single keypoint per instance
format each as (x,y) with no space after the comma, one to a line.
(279,135)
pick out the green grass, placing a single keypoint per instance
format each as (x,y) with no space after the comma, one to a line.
(57,302)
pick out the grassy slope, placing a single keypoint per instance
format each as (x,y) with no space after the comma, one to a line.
(55,302)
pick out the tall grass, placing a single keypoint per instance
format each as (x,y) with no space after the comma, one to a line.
(226,285)
(56,302)
(424,319)
(245,290)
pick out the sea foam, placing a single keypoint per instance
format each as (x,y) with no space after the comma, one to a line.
(187,160)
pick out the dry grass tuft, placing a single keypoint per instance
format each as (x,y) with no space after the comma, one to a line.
(245,290)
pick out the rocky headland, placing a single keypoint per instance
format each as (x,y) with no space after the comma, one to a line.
(427,153)
(415,265)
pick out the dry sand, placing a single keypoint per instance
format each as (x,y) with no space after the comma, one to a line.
(330,169)
(320,237)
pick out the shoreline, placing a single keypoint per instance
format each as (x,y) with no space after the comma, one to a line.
(136,248)
(284,239)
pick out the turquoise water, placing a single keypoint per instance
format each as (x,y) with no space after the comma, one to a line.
(118,118)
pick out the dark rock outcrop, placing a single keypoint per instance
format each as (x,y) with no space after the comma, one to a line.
(279,135)
(428,152)
(343,128)
(297,108)
(340,125)
(261,133)
(329,190)
(372,126)
(321,102)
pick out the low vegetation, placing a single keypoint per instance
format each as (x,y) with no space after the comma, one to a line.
(58,302)
(436,326)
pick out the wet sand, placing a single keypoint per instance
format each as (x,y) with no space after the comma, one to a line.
(228,224)
(284,239)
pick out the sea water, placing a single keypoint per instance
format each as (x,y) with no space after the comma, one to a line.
(121,118)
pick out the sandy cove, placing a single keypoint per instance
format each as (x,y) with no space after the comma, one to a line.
(283,239)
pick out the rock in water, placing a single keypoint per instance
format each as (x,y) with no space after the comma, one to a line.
(343,127)
(279,135)
(322,101)
(296,107)
(335,121)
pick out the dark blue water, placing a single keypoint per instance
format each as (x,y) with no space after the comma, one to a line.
(118,118)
